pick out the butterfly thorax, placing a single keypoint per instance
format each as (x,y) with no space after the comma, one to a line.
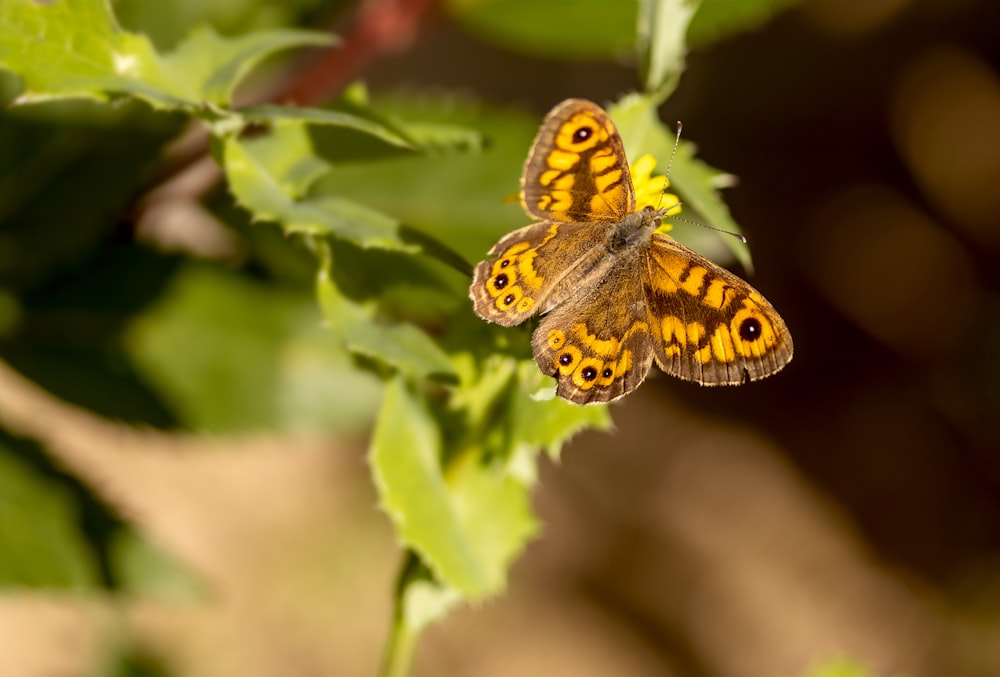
(634,230)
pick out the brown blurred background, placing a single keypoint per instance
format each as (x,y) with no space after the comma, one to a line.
(849,506)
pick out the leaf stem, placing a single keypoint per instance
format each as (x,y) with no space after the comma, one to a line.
(400,646)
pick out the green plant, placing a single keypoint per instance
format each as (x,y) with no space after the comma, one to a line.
(391,196)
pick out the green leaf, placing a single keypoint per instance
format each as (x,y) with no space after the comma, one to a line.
(697,183)
(569,29)
(230,354)
(661,32)
(719,19)
(458,198)
(40,541)
(148,571)
(269,174)
(401,346)
(267,113)
(466,523)
(74,48)
(547,424)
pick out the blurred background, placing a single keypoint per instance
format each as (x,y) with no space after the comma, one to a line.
(842,515)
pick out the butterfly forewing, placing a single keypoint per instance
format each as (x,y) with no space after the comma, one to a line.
(576,169)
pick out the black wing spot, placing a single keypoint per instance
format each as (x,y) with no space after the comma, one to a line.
(750,329)
(582,134)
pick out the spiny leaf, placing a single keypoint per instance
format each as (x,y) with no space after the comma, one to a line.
(75,48)
(467,522)
(401,346)
(268,175)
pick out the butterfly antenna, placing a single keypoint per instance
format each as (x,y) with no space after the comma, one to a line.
(673,151)
(670,163)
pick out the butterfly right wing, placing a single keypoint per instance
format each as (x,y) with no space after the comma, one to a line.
(707,324)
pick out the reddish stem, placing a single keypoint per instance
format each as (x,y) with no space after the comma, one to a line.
(380,27)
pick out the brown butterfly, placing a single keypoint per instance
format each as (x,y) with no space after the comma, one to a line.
(615,294)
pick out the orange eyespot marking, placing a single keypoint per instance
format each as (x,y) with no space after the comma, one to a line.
(499,282)
(514,294)
(751,331)
(607,374)
(556,338)
(580,134)
(566,360)
(587,372)
(525,304)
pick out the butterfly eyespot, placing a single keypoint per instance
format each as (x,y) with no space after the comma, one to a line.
(607,372)
(582,134)
(500,281)
(565,359)
(505,263)
(588,373)
(750,329)
(509,299)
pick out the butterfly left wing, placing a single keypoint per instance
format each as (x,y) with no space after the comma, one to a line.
(577,169)
(708,325)
(532,270)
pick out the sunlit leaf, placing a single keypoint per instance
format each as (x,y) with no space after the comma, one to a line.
(662,46)
(398,345)
(75,48)
(466,522)
(269,174)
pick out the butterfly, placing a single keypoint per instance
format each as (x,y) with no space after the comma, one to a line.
(614,294)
